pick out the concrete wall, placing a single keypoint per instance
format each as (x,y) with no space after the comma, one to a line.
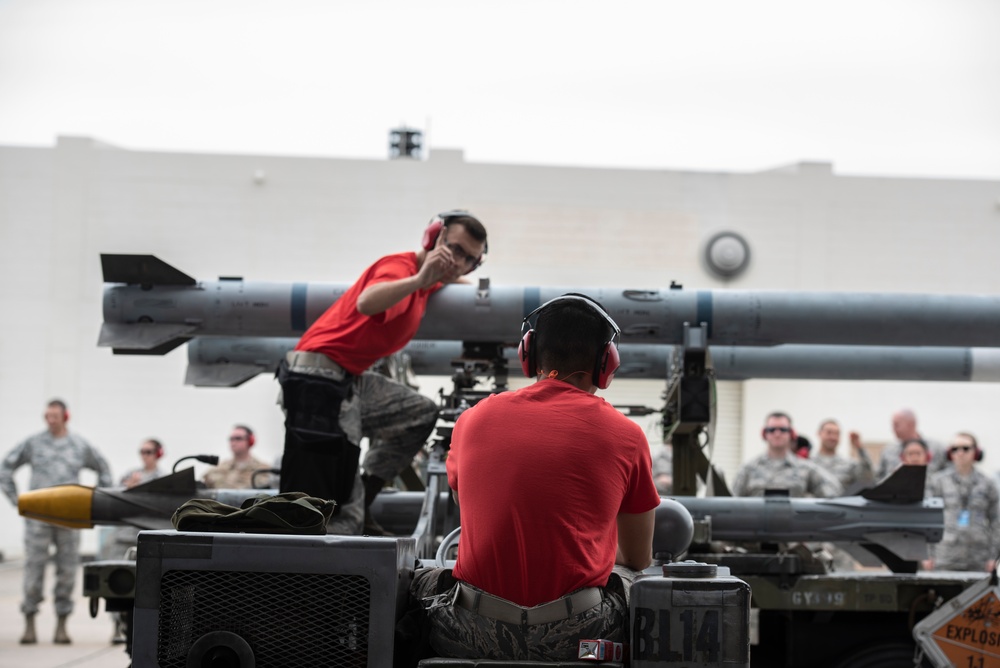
(285,218)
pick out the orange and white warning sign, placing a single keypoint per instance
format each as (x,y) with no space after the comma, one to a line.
(971,637)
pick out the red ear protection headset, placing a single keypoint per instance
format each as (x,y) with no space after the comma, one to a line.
(249,432)
(608,359)
(441,221)
(159,448)
(975,447)
(60,404)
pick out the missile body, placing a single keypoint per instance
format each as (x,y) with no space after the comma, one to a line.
(906,528)
(230,361)
(144,316)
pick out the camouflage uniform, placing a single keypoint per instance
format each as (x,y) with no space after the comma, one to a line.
(853,474)
(799,476)
(396,420)
(230,474)
(53,461)
(663,469)
(456,632)
(971,540)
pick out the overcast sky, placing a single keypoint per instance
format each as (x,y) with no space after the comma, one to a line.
(878,87)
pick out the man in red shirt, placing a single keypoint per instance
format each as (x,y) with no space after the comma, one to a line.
(556,493)
(331,399)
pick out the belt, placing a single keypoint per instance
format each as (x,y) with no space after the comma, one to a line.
(503,610)
(304,358)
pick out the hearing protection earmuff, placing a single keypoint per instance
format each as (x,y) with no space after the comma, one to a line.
(159,448)
(249,432)
(441,221)
(975,447)
(608,359)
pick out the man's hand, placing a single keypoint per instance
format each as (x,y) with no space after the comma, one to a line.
(855,440)
(439,265)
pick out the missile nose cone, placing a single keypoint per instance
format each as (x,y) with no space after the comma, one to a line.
(66,505)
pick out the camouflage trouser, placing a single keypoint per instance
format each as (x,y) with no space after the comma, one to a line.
(37,538)
(397,421)
(459,633)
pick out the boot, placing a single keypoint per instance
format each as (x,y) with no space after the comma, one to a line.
(61,638)
(373,485)
(29,637)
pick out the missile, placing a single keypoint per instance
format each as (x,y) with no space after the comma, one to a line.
(887,517)
(893,517)
(231,361)
(150,308)
(146,506)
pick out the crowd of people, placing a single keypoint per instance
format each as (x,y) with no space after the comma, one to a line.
(971,514)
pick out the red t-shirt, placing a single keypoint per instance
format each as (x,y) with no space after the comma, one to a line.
(356,341)
(541,474)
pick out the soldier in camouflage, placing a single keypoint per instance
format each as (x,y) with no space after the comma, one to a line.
(238,472)
(853,474)
(56,457)
(779,468)
(970,539)
(904,426)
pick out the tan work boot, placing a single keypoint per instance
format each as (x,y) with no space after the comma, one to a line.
(62,638)
(29,637)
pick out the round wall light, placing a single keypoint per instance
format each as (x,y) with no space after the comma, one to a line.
(727,254)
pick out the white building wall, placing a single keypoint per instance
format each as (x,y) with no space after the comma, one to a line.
(287,218)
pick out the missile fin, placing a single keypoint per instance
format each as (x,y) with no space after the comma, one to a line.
(181,482)
(904,485)
(220,375)
(906,545)
(143,338)
(864,557)
(142,270)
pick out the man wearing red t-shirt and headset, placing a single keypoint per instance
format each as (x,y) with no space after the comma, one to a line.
(331,399)
(556,493)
